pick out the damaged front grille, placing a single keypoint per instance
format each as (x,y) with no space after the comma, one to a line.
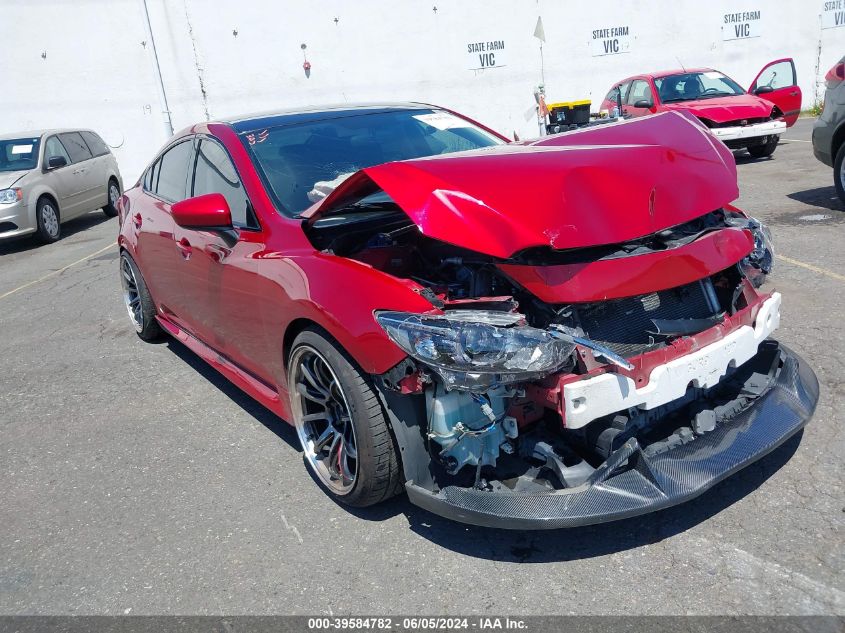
(627,326)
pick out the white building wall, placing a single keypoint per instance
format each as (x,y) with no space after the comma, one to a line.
(89,63)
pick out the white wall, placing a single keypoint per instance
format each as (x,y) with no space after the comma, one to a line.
(97,73)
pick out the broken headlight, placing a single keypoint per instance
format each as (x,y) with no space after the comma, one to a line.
(760,261)
(473,350)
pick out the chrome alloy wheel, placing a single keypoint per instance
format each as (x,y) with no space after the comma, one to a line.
(114,194)
(131,295)
(842,174)
(50,219)
(323,422)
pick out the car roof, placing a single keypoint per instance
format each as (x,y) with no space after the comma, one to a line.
(306,114)
(5,136)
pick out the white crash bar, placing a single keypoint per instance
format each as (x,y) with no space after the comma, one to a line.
(587,400)
(749,131)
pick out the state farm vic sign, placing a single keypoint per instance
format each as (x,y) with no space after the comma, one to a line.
(741,25)
(486,54)
(833,14)
(611,40)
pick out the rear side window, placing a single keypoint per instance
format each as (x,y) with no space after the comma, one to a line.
(95,143)
(75,146)
(170,173)
(613,95)
(215,173)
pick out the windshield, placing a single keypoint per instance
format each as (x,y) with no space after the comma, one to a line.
(696,85)
(302,163)
(18,154)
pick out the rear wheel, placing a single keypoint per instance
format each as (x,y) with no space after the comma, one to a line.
(766,149)
(114,193)
(344,435)
(47,218)
(139,303)
(839,172)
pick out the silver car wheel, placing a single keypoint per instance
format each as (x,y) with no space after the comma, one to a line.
(131,295)
(323,421)
(114,194)
(50,220)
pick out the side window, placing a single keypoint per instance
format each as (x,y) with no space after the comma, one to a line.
(215,173)
(639,90)
(612,96)
(95,143)
(75,146)
(780,75)
(170,177)
(54,147)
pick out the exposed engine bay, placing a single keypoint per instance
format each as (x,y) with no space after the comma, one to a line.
(492,364)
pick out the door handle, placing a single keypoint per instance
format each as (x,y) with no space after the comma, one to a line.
(217,253)
(794,93)
(137,220)
(184,247)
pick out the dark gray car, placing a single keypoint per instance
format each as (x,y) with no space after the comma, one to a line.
(829,129)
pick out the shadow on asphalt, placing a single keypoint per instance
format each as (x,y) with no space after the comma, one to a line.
(71,227)
(824,197)
(521,545)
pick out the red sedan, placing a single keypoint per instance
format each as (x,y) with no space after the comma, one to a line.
(752,120)
(525,335)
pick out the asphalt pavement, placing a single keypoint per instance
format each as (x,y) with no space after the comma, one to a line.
(134,479)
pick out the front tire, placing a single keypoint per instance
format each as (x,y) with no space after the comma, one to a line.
(139,303)
(113,190)
(49,225)
(767,149)
(839,172)
(345,437)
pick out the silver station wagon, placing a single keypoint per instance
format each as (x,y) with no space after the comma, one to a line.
(51,176)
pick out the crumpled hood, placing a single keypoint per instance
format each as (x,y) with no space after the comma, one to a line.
(724,109)
(9,178)
(603,185)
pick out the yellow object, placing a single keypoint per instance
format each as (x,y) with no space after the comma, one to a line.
(569,104)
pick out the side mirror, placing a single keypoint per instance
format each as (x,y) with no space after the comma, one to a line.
(210,211)
(763,90)
(643,103)
(56,161)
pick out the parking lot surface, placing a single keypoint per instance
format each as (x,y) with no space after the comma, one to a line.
(134,479)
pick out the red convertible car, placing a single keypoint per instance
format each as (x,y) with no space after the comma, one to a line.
(752,120)
(525,335)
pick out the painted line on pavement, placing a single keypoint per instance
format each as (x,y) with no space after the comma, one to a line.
(815,269)
(56,272)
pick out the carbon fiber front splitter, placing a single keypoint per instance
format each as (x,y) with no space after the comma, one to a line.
(647,483)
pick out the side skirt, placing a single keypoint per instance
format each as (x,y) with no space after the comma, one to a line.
(259,390)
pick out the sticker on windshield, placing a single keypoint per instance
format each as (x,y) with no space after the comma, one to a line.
(441,120)
(21,149)
(712,74)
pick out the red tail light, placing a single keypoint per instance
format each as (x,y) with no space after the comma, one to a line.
(835,75)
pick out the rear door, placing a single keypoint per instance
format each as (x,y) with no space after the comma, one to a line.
(83,167)
(778,83)
(160,257)
(99,166)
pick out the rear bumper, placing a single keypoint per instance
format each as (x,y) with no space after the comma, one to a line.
(749,131)
(650,482)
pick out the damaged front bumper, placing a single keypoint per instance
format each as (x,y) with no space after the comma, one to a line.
(635,481)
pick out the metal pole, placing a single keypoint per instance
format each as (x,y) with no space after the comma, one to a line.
(168,124)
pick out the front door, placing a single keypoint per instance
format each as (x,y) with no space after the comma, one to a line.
(66,181)
(222,280)
(83,168)
(639,94)
(778,83)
